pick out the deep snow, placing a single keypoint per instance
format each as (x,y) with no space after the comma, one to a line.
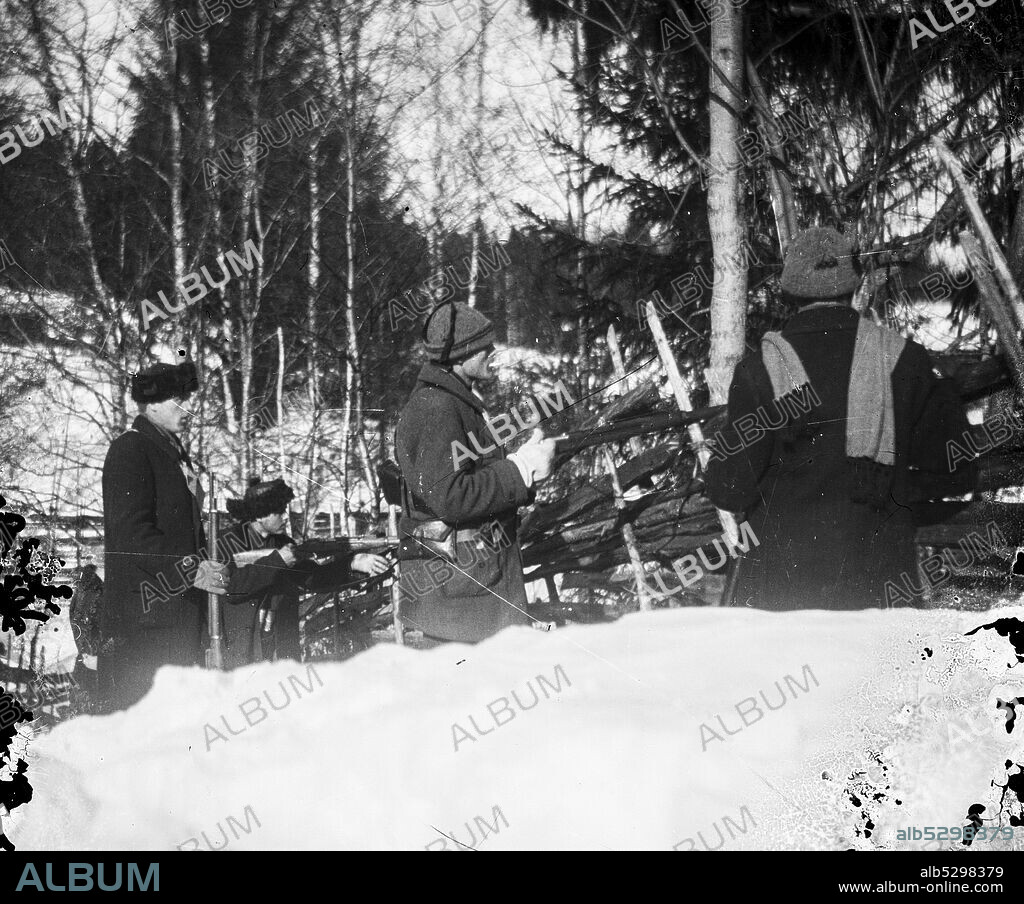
(611,756)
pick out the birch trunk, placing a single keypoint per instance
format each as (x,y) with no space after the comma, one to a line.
(93,281)
(312,297)
(353,376)
(179,331)
(282,462)
(725,218)
(215,226)
(578,210)
(250,286)
(476,152)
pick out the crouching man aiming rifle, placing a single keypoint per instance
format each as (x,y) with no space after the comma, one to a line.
(261,615)
(462,574)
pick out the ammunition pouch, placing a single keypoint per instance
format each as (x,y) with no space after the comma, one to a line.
(871,483)
(428,540)
(390,477)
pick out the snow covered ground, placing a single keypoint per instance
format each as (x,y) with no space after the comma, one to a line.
(653,732)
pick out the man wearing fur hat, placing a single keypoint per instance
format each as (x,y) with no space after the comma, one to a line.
(153,608)
(833,431)
(261,615)
(461,576)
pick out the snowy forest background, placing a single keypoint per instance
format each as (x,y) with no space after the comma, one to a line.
(541,160)
(556,164)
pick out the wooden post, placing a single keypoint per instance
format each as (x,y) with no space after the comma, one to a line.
(783,203)
(1003,274)
(552,587)
(675,379)
(997,309)
(628,534)
(215,654)
(336,628)
(619,366)
(280,403)
(396,593)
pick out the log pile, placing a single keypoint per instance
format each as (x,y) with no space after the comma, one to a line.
(579,533)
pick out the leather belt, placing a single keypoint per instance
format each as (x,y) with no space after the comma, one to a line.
(436,539)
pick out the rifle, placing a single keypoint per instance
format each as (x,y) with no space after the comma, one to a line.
(215,654)
(575,441)
(341,546)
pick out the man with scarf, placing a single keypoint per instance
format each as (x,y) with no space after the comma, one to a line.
(832,433)
(261,611)
(153,608)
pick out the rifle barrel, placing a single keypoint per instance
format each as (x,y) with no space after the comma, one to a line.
(343,545)
(215,655)
(658,422)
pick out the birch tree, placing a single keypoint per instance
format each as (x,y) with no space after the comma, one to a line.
(726,221)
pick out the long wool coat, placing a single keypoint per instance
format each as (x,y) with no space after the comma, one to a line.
(820,549)
(486,593)
(151,615)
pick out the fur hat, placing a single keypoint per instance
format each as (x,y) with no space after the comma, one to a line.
(164,381)
(261,499)
(455,331)
(820,265)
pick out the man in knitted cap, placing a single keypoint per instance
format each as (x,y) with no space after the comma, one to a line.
(461,576)
(833,431)
(261,615)
(153,608)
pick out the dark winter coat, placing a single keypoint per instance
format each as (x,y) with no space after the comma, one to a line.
(151,614)
(269,584)
(86,606)
(485,593)
(820,549)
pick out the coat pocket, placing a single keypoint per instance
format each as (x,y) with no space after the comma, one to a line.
(476,571)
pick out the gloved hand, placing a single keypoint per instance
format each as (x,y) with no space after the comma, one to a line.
(212,577)
(266,620)
(288,554)
(303,553)
(370,563)
(535,458)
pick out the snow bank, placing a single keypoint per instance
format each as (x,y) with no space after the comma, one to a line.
(622,736)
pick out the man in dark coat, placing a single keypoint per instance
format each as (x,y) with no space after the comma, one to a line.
(85,609)
(261,608)
(832,432)
(461,577)
(152,613)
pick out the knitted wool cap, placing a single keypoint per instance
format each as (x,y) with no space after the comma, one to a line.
(819,265)
(164,381)
(471,332)
(263,498)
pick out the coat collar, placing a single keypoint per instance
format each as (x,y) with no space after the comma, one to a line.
(162,439)
(432,375)
(255,540)
(819,320)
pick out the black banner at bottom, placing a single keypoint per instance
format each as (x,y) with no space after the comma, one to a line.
(805,874)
